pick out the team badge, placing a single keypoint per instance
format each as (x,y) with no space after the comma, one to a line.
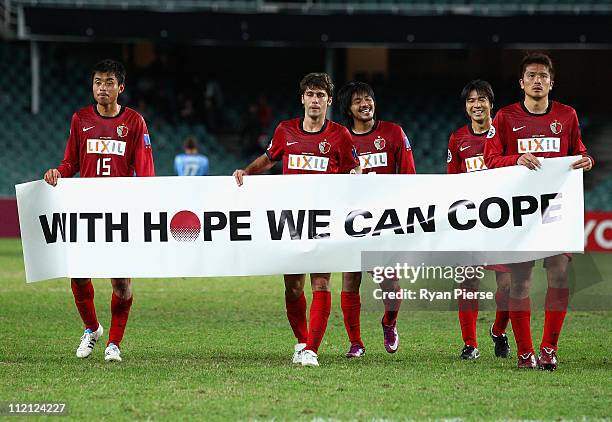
(556,127)
(324,147)
(379,143)
(491,132)
(122,131)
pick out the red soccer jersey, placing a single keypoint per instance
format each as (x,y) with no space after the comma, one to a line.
(107,146)
(465,155)
(555,133)
(327,151)
(466,151)
(384,150)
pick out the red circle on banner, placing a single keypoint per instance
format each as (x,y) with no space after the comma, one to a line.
(185,226)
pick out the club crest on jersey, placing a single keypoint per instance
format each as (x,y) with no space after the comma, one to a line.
(379,143)
(122,130)
(324,147)
(556,127)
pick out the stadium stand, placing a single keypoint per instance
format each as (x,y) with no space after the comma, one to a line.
(34,142)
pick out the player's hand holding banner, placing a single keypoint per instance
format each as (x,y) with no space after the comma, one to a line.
(187,227)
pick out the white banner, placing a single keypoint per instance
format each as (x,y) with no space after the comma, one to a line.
(208,226)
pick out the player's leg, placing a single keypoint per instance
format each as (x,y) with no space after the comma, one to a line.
(319,314)
(502,313)
(83,292)
(519,305)
(557,298)
(468,314)
(296,305)
(351,309)
(389,320)
(121,304)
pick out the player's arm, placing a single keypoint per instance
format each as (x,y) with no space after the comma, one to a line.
(404,157)
(143,154)
(453,165)
(577,147)
(260,165)
(494,151)
(70,164)
(266,161)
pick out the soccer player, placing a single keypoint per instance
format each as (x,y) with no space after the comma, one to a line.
(465,154)
(308,145)
(106,140)
(537,127)
(383,148)
(191,163)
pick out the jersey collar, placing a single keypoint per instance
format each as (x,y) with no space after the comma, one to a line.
(312,133)
(368,132)
(471,129)
(548,109)
(108,117)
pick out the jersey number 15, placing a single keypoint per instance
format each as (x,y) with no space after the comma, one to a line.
(103,167)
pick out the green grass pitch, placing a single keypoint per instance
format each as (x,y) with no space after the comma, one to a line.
(220,349)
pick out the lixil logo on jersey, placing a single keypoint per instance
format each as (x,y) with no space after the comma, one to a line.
(105,146)
(307,162)
(368,161)
(475,164)
(532,145)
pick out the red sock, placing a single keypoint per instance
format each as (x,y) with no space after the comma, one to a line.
(296,314)
(502,314)
(392,307)
(84,300)
(120,310)
(520,315)
(351,307)
(555,310)
(319,314)
(468,313)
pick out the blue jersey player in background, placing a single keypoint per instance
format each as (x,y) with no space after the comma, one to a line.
(191,163)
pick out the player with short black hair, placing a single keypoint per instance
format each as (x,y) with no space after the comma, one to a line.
(112,67)
(465,154)
(106,140)
(537,58)
(308,145)
(533,129)
(383,148)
